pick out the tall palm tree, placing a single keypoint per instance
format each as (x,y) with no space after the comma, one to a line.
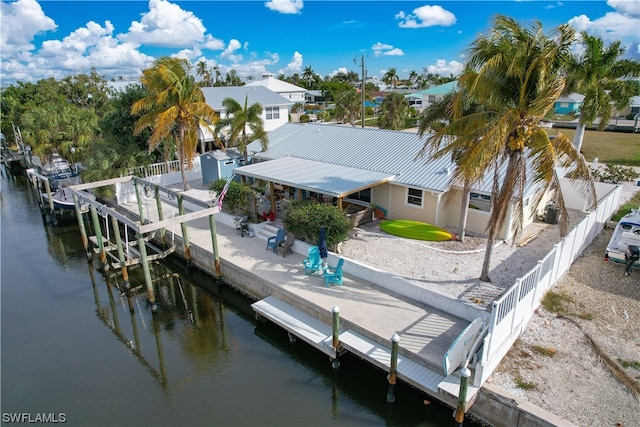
(393,111)
(599,75)
(348,105)
(174,109)
(238,119)
(309,76)
(204,73)
(515,73)
(414,78)
(391,77)
(440,112)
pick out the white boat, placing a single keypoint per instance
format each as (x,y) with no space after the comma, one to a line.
(624,246)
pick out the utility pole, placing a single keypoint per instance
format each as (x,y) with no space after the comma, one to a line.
(364,75)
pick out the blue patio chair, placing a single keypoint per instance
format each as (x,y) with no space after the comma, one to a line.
(333,274)
(313,263)
(274,241)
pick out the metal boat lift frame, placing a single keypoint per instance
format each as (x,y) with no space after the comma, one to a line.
(142,227)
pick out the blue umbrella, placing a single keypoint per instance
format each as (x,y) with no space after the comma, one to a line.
(322,243)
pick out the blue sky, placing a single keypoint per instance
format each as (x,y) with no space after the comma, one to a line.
(41,39)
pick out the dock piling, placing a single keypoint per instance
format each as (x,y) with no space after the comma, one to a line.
(98,230)
(465,373)
(335,342)
(185,233)
(142,247)
(393,367)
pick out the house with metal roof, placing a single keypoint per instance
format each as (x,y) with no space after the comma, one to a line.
(291,92)
(424,98)
(370,166)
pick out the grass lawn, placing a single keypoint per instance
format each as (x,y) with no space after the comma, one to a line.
(620,148)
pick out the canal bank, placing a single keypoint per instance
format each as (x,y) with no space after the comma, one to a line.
(365,307)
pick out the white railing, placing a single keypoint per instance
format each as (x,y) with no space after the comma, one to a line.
(155,169)
(513,310)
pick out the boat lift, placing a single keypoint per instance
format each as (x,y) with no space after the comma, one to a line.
(127,254)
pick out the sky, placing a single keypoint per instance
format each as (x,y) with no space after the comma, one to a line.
(42,39)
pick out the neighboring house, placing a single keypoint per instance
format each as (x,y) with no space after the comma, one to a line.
(633,108)
(426,97)
(314,97)
(275,108)
(569,104)
(291,92)
(369,166)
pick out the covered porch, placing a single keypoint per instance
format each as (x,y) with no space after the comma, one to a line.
(292,178)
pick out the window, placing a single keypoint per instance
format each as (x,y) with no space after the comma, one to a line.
(480,202)
(273,113)
(363,196)
(414,196)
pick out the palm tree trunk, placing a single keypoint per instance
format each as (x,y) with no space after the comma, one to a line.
(486,264)
(579,135)
(464,210)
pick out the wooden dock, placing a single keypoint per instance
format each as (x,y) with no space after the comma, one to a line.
(319,335)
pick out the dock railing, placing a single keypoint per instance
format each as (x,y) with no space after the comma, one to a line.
(512,311)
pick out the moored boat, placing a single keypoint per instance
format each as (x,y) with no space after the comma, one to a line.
(624,245)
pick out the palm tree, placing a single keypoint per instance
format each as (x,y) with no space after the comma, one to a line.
(348,105)
(440,112)
(309,76)
(175,109)
(391,77)
(515,73)
(238,118)
(598,74)
(202,71)
(394,110)
(414,78)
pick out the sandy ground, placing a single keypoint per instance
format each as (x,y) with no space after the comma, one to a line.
(575,365)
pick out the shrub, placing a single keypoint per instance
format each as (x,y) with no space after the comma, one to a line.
(304,219)
(304,118)
(239,196)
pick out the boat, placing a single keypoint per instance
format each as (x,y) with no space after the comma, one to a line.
(624,246)
(55,198)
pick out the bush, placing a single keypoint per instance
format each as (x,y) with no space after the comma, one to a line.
(304,118)
(304,219)
(239,196)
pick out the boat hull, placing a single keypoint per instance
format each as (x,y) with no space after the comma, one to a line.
(626,233)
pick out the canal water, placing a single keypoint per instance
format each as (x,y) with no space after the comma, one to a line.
(75,349)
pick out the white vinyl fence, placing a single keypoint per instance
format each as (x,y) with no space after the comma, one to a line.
(511,312)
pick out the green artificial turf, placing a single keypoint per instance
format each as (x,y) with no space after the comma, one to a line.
(415,230)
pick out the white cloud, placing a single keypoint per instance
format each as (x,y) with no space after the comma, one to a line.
(166,24)
(285,6)
(426,16)
(229,52)
(629,7)
(20,22)
(612,27)
(212,43)
(386,50)
(295,66)
(444,68)
(340,70)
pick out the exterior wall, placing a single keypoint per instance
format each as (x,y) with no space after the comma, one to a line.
(293,96)
(566,107)
(272,124)
(400,209)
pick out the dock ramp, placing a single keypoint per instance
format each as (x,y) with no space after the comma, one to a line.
(311,330)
